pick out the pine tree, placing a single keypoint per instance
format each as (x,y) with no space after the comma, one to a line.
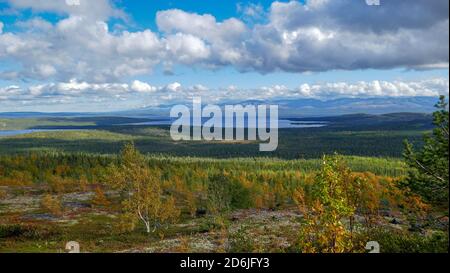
(429,166)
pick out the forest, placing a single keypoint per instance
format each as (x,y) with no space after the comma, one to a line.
(358,135)
(130,189)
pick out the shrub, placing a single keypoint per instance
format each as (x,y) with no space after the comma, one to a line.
(240,196)
(219,196)
(99,198)
(3,194)
(213,223)
(226,192)
(17,178)
(242,241)
(51,204)
(404,242)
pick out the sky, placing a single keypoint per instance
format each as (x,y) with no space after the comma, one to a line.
(108,55)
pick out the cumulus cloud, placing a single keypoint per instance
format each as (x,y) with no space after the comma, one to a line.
(142,87)
(357,16)
(186,48)
(174,87)
(430,87)
(171,93)
(320,36)
(75,47)
(296,37)
(224,39)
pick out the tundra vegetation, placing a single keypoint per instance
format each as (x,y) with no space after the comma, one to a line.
(134,202)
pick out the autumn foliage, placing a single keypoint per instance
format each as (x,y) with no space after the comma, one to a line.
(335,199)
(142,195)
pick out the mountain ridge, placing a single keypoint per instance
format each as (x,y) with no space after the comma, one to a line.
(307,107)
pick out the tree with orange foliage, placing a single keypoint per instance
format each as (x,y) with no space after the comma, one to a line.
(51,204)
(99,198)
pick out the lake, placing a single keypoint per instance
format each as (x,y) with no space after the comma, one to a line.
(9,133)
(282,123)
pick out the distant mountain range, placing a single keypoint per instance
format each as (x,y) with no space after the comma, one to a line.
(287,108)
(345,106)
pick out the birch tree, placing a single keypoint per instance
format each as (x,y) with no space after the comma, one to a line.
(140,187)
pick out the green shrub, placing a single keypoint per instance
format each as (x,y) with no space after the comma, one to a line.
(219,194)
(241,197)
(216,222)
(225,193)
(401,242)
(242,241)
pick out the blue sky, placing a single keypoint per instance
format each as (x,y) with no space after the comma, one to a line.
(129,54)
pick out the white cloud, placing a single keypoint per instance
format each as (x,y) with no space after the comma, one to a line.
(9,91)
(45,70)
(139,43)
(174,87)
(319,36)
(186,48)
(223,39)
(76,47)
(143,92)
(296,37)
(430,87)
(1,27)
(203,26)
(142,87)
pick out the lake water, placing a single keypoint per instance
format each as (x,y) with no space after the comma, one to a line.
(282,124)
(8,133)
